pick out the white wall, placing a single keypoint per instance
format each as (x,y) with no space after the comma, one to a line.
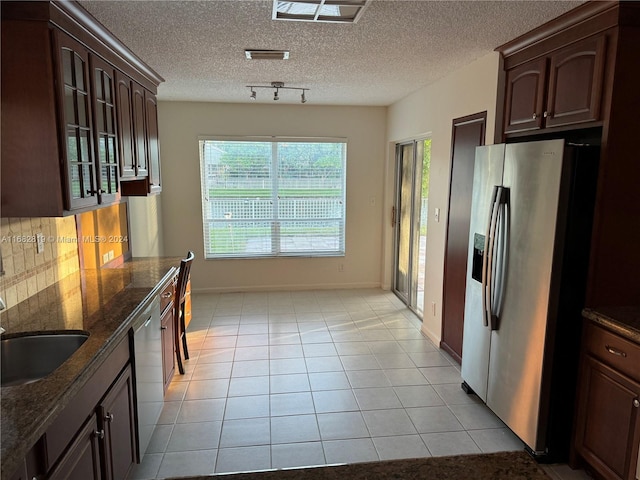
(429,112)
(145,226)
(180,125)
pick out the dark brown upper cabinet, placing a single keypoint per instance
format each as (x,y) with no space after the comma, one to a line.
(562,88)
(153,143)
(77,146)
(139,130)
(575,83)
(66,144)
(124,100)
(139,118)
(525,96)
(585,63)
(105,130)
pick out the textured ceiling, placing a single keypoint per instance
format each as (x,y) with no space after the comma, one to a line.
(397,47)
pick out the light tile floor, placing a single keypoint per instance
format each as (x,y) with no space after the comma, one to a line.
(305,378)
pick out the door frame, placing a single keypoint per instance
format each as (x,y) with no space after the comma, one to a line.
(396,224)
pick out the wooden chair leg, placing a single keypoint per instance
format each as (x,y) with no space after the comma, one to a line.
(179,358)
(176,345)
(183,333)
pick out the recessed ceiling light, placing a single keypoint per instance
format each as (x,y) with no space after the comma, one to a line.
(267,54)
(334,11)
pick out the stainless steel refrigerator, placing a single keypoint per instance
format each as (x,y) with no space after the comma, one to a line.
(530,228)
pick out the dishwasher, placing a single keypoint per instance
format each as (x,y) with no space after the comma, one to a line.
(147,346)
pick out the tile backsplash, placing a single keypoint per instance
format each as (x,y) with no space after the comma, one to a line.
(27,272)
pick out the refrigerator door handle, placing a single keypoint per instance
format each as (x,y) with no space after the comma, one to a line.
(496,285)
(487,256)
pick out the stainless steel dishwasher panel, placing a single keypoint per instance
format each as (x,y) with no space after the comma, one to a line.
(147,344)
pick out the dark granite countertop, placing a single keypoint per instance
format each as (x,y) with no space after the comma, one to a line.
(625,321)
(102,302)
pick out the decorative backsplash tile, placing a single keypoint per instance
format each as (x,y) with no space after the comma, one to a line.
(27,271)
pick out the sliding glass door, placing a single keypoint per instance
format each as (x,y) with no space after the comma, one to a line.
(410,221)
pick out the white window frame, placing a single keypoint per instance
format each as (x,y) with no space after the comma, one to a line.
(276,249)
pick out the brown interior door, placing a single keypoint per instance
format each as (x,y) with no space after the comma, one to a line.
(468,133)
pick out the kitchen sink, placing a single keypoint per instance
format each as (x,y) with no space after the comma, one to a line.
(30,357)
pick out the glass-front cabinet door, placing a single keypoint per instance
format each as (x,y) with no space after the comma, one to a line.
(77,149)
(106,151)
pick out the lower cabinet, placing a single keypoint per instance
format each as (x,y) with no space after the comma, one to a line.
(33,465)
(168,343)
(105,447)
(608,411)
(117,416)
(94,437)
(82,460)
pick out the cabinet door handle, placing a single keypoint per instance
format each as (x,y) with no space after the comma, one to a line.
(99,434)
(167,295)
(109,417)
(636,402)
(615,351)
(534,116)
(163,328)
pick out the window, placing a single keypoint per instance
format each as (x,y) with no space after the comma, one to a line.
(272,198)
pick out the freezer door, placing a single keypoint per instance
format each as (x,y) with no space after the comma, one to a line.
(476,337)
(532,173)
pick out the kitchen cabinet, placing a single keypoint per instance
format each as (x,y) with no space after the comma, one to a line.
(116,412)
(153,143)
(82,460)
(167,327)
(33,465)
(105,446)
(141,172)
(95,435)
(64,132)
(105,132)
(77,147)
(562,88)
(580,69)
(608,410)
(124,100)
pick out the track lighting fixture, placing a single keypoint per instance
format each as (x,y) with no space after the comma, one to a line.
(277,86)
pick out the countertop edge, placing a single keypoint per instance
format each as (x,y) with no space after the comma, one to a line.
(607,318)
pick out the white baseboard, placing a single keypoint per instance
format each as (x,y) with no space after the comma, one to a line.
(276,288)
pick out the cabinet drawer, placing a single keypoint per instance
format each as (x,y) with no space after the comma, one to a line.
(613,350)
(166,296)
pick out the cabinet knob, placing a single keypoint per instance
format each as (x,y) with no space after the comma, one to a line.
(167,294)
(636,402)
(163,328)
(535,115)
(99,434)
(109,417)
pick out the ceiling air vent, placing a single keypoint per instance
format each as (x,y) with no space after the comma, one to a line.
(267,54)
